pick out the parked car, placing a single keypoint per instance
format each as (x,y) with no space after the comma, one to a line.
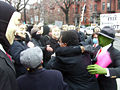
(89,30)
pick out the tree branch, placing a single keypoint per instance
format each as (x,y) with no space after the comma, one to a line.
(23,6)
(9,1)
(18,5)
(70,3)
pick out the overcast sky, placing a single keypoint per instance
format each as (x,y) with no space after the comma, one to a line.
(30,1)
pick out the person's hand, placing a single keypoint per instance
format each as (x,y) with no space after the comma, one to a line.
(30,44)
(96,69)
(48,48)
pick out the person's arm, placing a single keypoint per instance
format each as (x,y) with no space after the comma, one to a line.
(15,51)
(115,69)
(70,49)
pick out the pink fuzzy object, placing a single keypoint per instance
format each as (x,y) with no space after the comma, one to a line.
(103,60)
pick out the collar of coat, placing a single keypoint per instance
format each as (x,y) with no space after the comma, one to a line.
(1,48)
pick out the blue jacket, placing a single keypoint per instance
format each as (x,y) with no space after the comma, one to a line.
(15,50)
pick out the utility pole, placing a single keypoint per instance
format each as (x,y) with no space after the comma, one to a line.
(24,13)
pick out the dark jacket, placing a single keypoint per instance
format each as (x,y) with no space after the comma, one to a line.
(42,80)
(73,65)
(109,83)
(88,41)
(36,42)
(47,55)
(7,73)
(16,48)
(81,36)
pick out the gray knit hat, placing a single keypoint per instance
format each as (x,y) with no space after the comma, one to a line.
(31,57)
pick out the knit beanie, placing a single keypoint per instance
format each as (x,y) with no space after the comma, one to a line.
(6,11)
(31,57)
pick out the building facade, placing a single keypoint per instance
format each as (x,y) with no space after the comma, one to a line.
(49,11)
(92,11)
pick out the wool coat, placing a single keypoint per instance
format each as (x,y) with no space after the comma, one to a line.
(109,83)
(42,79)
(7,73)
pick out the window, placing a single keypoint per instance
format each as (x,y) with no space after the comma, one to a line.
(108,6)
(95,7)
(103,6)
(91,19)
(76,10)
(118,4)
(91,7)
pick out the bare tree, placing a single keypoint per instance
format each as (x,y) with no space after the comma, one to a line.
(65,6)
(18,4)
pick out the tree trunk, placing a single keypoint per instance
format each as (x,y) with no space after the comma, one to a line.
(66,16)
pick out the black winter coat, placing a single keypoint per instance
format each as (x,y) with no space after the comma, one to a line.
(109,83)
(73,66)
(47,55)
(7,73)
(15,50)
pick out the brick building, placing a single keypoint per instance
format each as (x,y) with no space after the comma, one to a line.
(50,11)
(47,10)
(92,11)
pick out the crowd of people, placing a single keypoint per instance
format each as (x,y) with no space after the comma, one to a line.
(46,57)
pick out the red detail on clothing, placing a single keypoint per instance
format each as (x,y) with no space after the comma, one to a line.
(100,51)
(9,56)
(94,45)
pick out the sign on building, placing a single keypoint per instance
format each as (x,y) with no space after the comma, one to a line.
(59,23)
(112,20)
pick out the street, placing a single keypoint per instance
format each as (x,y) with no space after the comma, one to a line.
(117,45)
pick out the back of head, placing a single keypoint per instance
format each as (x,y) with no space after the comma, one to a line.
(46,30)
(70,38)
(6,12)
(31,57)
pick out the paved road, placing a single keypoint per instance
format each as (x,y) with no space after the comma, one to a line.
(116,44)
